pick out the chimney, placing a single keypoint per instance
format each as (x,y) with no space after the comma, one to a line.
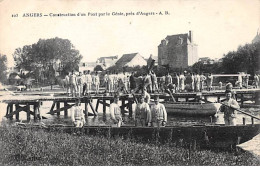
(191,36)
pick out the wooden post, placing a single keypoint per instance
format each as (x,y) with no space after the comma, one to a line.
(92,108)
(86,108)
(210,119)
(218,98)
(34,111)
(7,110)
(104,105)
(52,106)
(123,107)
(252,120)
(17,114)
(130,104)
(65,110)
(97,105)
(28,111)
(11,110)
(58,107)
(244,121)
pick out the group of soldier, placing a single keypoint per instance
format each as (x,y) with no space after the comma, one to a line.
(78,85)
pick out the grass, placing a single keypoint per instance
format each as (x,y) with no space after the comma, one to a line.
(30,147)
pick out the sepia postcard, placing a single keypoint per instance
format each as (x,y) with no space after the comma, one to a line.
(129,83)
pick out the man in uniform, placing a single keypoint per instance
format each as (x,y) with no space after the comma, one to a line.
(159,114)
(77,115)
(147,96)
(96,82)
(209,81)
(228,108)
(115,112)
(142,114)
(67,83)
(88,81)
(73,84)
(80,84)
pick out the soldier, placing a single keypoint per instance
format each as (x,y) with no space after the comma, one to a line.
(147,96)
(79,84)
(202,80)
(73,84)
(96,82)
(115,112)
(209,81)
(148,82)
(77,115)
(110,82)
(182,79)
(142,114)
(88,82)
(154,82)
(106,81)
(132,82)
(228,108)
(159,114)
(67,83)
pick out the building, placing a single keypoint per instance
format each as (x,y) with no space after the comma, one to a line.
(257,38)
(84,66)
(206,60)
(107,62)
(131,60)
(155,58)
(178,51)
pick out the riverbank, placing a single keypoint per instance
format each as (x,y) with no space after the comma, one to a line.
(24,147)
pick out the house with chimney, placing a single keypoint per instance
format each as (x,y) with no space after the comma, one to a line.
(131,60)
(178,51)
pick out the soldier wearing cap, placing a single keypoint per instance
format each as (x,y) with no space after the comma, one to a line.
(142,114)
(115,112)
(228,108)
(159,114)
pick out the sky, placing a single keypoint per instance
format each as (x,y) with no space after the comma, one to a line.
(218,26)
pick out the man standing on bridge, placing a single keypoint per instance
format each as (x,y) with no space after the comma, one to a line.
(228,108)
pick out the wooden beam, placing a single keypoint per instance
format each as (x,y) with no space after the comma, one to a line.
(17,114)
(92,108)
(65,110)
(28,112)
(104,105)
(61,109)
(97,104)
(58,108)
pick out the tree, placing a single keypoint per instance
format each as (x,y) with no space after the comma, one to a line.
(245,59)
(3,68)
(46,58)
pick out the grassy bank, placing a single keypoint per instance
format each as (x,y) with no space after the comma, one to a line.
(24,147)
